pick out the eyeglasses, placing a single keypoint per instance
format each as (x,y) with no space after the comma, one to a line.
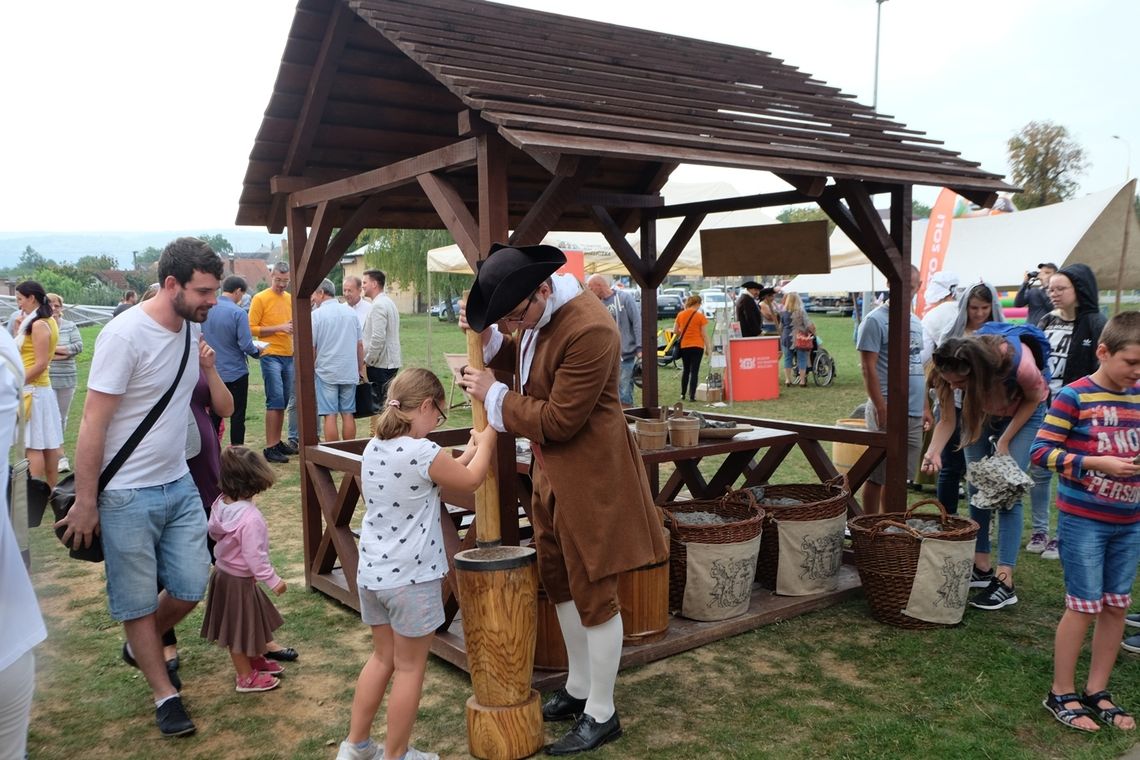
(511,319)
(1058,288)
(441,417)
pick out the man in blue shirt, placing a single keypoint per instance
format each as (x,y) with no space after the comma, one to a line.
(338,360)
(226,330)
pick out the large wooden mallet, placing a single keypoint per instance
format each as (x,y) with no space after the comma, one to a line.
(498,597)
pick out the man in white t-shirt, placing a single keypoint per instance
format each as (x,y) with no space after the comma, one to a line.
(149,515)
(353,290)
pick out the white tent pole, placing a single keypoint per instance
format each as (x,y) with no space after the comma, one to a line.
(430,361)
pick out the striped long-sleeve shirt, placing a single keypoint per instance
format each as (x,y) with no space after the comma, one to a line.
(1088,420)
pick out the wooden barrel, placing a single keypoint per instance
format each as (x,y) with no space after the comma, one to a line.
(498,589)
(644,597)
(549,647)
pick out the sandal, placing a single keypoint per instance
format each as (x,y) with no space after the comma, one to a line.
(1055,703)
(1108,715)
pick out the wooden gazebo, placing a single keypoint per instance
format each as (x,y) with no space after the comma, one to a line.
(501,123)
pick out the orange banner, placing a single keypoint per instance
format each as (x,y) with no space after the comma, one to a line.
(937,242)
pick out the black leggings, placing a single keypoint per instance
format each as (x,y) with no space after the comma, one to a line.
(690,369)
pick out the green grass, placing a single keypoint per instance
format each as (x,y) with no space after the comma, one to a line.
(832,684)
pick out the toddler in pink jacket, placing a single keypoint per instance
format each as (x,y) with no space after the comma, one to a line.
(239,615)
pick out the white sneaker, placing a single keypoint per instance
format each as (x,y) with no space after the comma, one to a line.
(1051,550)
(64,465)
(348,751)
(415,754)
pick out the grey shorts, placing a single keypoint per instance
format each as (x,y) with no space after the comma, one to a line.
(913,445)
(413,611)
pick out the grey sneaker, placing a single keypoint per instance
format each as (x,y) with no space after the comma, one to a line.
(995,596)
(1133,620)
(415,754)
(1131,644)
(1037,543)
(1051,550)
(348,751)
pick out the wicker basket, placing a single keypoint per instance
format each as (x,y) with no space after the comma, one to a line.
(820,501)
(740,505)
(887,562)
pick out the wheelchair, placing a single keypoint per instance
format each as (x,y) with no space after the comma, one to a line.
(820,364)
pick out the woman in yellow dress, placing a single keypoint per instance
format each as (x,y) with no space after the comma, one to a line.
(37,335)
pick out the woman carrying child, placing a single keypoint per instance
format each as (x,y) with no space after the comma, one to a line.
(1091,437)
(239,615)
(402,562)
(1003,404)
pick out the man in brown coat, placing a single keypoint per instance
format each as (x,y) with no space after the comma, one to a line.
(592,510)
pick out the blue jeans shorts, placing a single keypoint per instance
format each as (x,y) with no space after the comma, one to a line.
(1099,560)
(413,611)
(334,398)
(277,374)
(150,535)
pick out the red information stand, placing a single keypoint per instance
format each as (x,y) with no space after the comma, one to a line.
(753,369)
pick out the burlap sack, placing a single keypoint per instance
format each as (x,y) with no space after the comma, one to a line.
(941,582)
(718,579)
(811,553)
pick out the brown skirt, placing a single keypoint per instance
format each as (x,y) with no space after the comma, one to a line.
(239,615)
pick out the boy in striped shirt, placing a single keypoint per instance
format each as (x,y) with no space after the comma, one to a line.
(1091,436)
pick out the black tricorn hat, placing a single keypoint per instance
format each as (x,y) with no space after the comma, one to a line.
(506,277)
(751,285)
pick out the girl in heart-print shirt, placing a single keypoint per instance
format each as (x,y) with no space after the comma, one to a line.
(402,561)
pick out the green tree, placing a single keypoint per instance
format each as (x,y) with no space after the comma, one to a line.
(919,210)
(32,260)
(99,263)
(402,254)
(146,257)
(1045,162)
(218,243)
(793,214)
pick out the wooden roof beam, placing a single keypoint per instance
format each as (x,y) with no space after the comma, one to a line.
(616,238)
(811,186)
(762,200)
(677,243)
(457,155)
(340,21)
(309,266)
(560,193)
(453,212)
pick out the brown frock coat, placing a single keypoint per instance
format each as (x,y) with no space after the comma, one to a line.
(587,452)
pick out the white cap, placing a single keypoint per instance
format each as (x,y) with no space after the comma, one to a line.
(941,284)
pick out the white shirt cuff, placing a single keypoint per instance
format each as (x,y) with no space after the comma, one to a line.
(493,345)
(493,406)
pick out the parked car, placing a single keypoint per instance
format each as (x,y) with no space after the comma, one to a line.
(682,293)
(440,310)
(668,306)
(714,302)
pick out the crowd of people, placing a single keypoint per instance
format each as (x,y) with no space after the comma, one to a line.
(181,525)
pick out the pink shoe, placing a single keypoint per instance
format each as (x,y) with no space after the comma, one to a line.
(266,666)
(257,681)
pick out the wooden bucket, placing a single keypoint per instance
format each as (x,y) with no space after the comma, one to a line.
(845,455)
(684,431)
(651,434)
(498,589)
(549,647)
(644,596)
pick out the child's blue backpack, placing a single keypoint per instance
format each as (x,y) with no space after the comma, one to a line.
(1017,335)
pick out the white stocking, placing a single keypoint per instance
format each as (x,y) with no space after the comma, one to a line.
(605,655)
(577,650)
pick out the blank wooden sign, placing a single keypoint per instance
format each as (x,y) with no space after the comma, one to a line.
(799,248)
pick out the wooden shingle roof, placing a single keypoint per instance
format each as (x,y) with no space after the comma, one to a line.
(392,76)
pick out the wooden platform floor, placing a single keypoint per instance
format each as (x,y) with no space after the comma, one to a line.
(683,634)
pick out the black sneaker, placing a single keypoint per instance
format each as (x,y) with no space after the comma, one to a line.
(288,448)
(1131,644)
(273,455)
(1132,620)
(981,578)
(996,596)
(172,719)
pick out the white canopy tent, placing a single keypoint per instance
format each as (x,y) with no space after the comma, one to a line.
(1000,248)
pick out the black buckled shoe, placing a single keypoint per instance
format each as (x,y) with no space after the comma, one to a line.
(288,654)
(586,735)
(171,671)
(562,706)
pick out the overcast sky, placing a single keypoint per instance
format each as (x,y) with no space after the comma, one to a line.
(132,115)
